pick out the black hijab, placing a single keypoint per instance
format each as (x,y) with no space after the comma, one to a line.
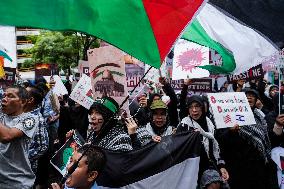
(202,120)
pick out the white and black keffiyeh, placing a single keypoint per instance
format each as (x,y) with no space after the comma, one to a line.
(257,135)
(116,139)
(187,121)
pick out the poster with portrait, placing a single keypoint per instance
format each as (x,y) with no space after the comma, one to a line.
(107,72)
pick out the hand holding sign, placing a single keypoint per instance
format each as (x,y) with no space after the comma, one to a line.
(230,109)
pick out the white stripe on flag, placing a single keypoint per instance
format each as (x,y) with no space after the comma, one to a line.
(247,46)
(181,176)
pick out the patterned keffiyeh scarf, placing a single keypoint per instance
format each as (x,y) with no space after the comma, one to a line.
(257,135)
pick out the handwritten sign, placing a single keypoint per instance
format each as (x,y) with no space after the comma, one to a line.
(253,73)
(82,93)
(230,109)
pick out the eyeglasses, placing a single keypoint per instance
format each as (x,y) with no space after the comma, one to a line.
(197,107)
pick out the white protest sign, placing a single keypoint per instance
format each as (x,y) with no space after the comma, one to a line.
(82,93)
(187,56)
(59,88)
(230,109)
(107,72)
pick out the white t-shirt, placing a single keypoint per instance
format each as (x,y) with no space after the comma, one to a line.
(15,169)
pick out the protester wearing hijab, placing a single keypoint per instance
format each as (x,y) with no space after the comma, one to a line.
(197,120)
(246,151)
(158,126)
(104,129)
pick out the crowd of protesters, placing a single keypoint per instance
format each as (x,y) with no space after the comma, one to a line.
(34,123)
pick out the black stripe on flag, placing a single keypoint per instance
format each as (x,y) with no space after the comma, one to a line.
(262,15)
(173,153)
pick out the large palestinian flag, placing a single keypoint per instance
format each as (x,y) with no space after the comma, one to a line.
(145,29)
(262,15)
(172,163)
(241,46)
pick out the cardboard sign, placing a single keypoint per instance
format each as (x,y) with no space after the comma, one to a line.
(197,85)
(62,157)
(82,93)
(107,72)
(187,57)
(253,73)
(230,109)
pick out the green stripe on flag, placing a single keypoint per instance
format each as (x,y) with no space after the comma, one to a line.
(3,54)
(124,24)
(197,34)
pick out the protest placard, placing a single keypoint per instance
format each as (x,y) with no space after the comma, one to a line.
(45,70)
(62,157)
(196,85)
(154,74)
(187,57)
(83,67)
(59,88)
(107,72)
(133,75)
(230,109)
(9,78)
(253,73)
(82,93)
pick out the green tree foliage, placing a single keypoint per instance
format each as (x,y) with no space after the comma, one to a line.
(63,48)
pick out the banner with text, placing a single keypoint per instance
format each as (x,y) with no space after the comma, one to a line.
(82,93)
(230,109)
(197,85)
(253,73)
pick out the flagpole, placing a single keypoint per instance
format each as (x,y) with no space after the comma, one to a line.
(279,88)
(141,79)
